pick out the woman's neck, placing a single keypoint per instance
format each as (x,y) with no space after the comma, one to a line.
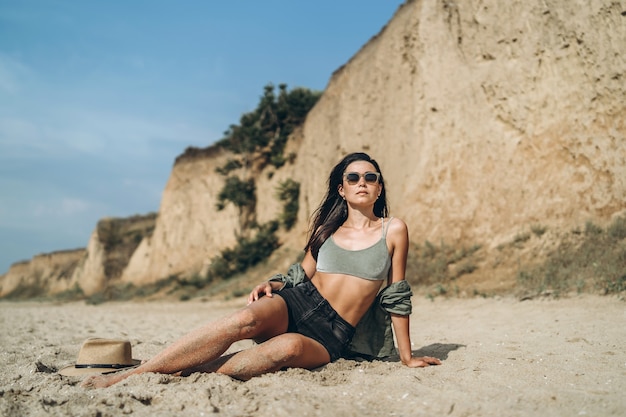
(361,221)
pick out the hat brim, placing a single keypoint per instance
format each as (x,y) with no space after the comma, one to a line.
(72,370)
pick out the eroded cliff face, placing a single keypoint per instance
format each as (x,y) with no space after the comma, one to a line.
(89,270)
(189,230)
(487,117)
(48,273)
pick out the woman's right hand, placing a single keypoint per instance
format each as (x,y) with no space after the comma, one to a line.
(264,288)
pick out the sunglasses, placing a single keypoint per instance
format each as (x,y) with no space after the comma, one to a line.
(354,177)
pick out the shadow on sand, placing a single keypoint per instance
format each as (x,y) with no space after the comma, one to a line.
(438,350)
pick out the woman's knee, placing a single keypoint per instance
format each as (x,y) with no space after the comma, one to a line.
(290,345)
(246,321)
(260,320)
(291,349)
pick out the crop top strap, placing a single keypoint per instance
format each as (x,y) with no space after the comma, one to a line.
(385,228)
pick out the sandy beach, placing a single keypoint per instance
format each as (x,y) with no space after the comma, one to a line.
(501,357)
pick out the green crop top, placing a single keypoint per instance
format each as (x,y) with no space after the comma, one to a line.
(371,263)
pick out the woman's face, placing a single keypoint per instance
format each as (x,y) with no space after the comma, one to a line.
(361,183)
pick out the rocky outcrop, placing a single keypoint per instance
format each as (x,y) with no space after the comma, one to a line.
(89,270)
(189,230)
(44,274)
(487,117)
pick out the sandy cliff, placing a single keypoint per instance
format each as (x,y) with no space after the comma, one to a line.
(189,230)
(487,117)
(89,270)
(45,273)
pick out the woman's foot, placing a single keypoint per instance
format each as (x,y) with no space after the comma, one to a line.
(102,381)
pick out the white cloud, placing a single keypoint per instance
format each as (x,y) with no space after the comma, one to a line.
(12,74)
(65,132)
(63,208)
(34,211)
(16,131)
(71,206)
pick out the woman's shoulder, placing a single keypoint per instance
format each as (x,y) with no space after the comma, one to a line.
(393,221)
(395,225)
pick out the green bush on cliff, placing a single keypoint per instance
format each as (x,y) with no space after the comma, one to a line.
(597,263)
(263,132)
(440,264)
(257,141)
(238,192)
(228,167)
(247,253)
(289,192)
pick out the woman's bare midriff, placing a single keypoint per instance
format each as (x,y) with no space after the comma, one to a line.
(350,296)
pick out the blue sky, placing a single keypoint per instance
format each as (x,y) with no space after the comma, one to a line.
(97,98)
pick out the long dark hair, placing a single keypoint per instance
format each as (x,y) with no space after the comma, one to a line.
(334,210)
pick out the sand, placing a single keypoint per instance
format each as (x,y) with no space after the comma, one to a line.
(501,357)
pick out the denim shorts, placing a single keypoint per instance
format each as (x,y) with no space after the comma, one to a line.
(312,316)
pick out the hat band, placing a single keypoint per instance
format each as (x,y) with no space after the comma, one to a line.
(107,365)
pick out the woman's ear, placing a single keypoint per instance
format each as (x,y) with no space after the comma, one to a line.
(340,191)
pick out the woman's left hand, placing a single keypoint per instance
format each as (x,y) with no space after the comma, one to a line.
(422,362)
(257,292)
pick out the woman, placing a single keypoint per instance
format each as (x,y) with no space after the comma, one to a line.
(353,248)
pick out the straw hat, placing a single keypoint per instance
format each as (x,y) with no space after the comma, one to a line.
(100,356)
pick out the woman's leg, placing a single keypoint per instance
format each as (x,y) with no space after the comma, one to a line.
(263,319)
(288,350)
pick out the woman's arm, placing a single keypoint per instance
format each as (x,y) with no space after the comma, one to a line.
(266,288)
(398,237)
(401,330)
(309,265)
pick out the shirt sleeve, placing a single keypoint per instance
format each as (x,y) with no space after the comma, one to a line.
(295,276)
(396,298)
